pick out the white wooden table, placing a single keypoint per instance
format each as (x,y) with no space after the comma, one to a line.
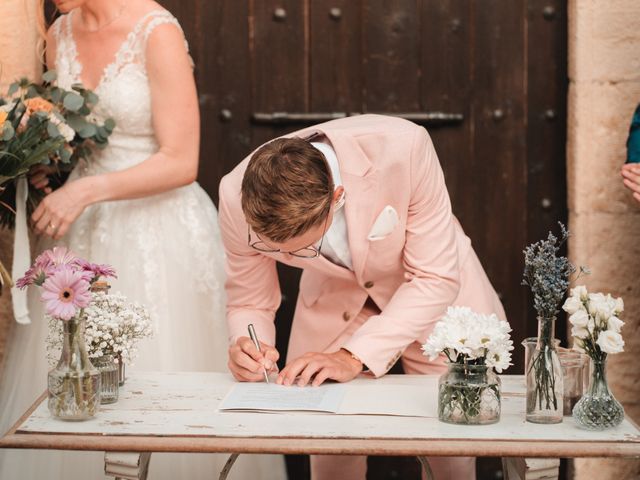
(178,412)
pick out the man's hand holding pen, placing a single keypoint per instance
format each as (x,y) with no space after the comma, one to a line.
(246,362)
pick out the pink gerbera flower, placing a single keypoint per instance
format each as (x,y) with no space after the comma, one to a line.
(97,270)
(37,274)
(28,279)
(60,256)
(65,291)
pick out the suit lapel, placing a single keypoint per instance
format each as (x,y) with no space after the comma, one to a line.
(360,181)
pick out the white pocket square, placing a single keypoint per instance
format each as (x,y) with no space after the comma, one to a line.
(384,224)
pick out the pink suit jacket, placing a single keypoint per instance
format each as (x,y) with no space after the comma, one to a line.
(413,274)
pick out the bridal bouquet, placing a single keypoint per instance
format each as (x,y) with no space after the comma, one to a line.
(596,331)
(44,124)
(475,345)
(66,280)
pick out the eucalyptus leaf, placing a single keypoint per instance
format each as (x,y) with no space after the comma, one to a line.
(88,131)
(13,88)
(8,132)
(91,97)
(31,92)
(109,124)
(56,94)
(52,130)
(65,155)
(77,122)
(73,102)
(49,76)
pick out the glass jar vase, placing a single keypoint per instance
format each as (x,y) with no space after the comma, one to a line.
(74,383)
(110,381)
(598,409)
(469,395)
(544,377)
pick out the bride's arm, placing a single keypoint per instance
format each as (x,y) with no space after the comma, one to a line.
(176,124)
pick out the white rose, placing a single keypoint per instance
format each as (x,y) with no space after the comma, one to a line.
(610,342)
(580,332)
(579,318)
(580,292)
(572,305)
(619,308)
(614,324)
(66,131)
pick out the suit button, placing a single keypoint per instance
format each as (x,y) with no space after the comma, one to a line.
(368,284)
(346,316)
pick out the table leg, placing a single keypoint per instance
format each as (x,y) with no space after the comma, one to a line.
(426,467)
(126,465)
(530,468)
(227,466)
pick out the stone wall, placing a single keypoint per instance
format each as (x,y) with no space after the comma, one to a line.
(18,58)
(604,89)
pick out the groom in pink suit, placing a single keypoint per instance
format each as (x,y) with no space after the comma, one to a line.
(360,204)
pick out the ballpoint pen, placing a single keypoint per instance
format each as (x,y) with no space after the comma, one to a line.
(254,339)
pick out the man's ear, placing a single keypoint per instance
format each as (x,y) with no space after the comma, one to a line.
(338,197)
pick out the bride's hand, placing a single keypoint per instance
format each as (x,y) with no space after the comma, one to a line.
(59,209)
(39,177)
(246,362)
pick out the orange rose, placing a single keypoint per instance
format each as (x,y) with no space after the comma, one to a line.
(3,118)
(38,104)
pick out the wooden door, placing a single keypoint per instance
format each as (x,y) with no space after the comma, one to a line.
(486,77)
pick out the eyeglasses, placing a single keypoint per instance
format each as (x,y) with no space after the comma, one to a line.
(306,252)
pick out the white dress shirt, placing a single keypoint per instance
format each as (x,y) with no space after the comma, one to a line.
(335,246)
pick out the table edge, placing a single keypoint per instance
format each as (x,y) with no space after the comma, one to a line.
(333,446)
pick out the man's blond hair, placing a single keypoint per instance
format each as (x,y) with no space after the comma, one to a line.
(287,189)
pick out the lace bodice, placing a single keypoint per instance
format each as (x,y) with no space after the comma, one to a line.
(123,89)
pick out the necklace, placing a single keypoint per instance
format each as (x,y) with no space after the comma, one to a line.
(123,6)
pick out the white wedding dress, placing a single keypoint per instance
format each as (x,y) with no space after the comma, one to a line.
(168,255)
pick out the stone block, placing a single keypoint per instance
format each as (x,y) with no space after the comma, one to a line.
(604,41)
(598,124)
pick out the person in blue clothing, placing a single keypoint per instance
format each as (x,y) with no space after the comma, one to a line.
(631,169)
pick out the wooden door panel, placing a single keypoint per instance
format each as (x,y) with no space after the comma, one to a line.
(391,61)
(497,220)
(445,86)
(335,56)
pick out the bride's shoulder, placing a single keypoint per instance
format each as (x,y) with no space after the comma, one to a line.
(54,30)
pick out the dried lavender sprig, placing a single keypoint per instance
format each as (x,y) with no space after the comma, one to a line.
(547,273)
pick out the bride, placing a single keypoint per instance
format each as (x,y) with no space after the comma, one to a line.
(134,205)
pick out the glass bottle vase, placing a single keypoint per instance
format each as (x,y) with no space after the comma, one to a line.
(469,395)
(74,383)
(109,382)
(544,377)
(598,409)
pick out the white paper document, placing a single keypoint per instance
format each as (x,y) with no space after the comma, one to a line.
(354,398)
(264,397)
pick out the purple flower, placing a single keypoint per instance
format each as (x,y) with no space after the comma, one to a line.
(65,291)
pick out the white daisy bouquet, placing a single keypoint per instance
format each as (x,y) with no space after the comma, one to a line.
(471,338)
(475,345)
